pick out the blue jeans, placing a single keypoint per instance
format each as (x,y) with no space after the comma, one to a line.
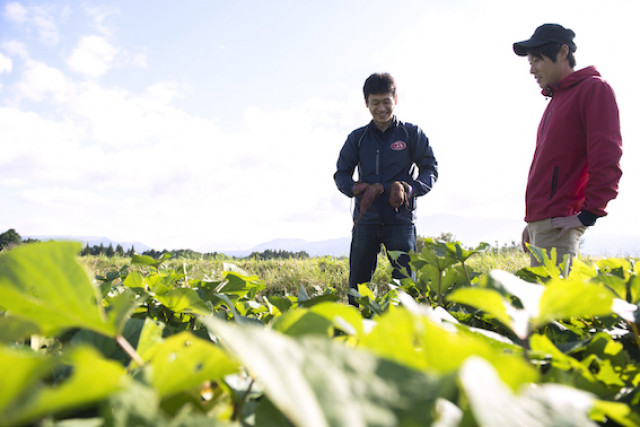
(365,246)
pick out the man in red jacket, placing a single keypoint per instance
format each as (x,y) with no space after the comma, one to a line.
(576,165)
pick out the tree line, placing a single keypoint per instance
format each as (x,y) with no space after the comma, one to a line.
(11,238)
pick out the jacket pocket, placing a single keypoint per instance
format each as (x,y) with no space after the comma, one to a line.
(554,182)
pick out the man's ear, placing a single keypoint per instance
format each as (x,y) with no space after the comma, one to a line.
(563,53)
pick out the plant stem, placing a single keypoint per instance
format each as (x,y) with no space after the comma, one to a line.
(237,410)
(440,302)
(184,270)
(124,344)
(636,333)
(466,273)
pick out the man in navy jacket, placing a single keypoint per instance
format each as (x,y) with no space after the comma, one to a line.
(387,152)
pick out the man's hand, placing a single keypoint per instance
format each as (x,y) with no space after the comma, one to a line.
(399,194)
(566,223)
(525,239)
(359,188)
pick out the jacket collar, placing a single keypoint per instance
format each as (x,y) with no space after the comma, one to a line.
(394,122)
(572,80)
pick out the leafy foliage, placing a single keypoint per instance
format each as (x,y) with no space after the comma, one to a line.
(156,347)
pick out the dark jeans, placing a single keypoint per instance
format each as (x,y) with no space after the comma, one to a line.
(365,246)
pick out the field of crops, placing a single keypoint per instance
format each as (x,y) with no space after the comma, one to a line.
(476,339)
(287,275)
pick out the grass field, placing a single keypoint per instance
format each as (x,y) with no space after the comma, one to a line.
(285,276)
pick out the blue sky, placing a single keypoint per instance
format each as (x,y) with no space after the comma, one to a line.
(216,125)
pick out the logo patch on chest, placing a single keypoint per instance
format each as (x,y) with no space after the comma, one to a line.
(399,145)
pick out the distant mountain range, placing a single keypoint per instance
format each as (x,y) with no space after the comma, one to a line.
(334,247)
(469,231)
(596,245)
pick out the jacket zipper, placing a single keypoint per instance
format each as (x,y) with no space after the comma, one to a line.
(554,182)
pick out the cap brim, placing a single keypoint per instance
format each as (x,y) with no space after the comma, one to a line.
(522,48)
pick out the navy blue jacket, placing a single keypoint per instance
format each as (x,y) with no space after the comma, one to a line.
(386,157)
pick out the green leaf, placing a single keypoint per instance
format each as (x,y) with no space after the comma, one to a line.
(282,304)
(549,261)
(494,404)
(13,329)
(150,261)
(564,299)
(344,317)
(183,362)
(365,292)
(422,341)
(121,306)
(619,412)
(614,266)
(302,322)
(183,300)
(136,405)
(19,370)
(161,283)
(528,295)
(488,300)
(634,290)
(437,254)
(135,281)
(150,336)
(241,285)
(319,299)
(92,379)
(318,382)
(571,371)
(45,284)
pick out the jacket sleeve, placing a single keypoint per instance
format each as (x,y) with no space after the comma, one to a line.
(426,162)
(347,162)
(604,148)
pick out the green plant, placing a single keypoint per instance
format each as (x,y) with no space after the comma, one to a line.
(149,344)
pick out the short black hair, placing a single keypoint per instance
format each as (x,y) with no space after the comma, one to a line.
(550,50)
(378,83)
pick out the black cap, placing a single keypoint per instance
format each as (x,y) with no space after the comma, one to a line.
(546,33)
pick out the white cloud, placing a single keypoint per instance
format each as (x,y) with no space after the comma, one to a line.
(17,48)
(92,56)
(31,140)
(15,12)
(39,80)
(141,60)
(38,17)
(122,156)
(163,92)
(45,25)
(100,15)
(5,64)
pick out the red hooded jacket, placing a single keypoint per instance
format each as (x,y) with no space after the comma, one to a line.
(576,165)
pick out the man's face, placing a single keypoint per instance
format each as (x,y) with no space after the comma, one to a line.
(381,106)
(546,72)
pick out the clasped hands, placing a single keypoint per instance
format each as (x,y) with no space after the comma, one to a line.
(398,192)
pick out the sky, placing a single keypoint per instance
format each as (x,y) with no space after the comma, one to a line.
(216,125)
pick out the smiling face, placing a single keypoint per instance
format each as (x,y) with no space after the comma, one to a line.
(381,106)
